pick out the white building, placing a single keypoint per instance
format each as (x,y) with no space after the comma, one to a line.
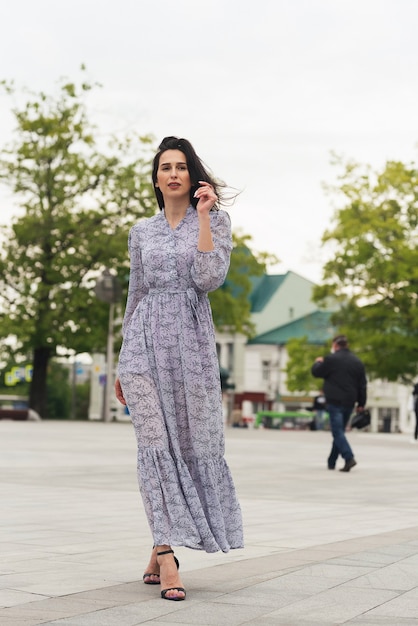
(282,309)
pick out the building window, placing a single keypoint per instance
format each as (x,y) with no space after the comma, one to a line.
(265,370)
(230,357)
(388,420)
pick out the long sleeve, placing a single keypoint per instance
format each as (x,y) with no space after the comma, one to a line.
(209,269)
(137,289)
(320,369)
(344,378)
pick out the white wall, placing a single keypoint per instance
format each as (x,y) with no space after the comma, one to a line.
(383,396)
(237,367)
(291,301)
(98,370)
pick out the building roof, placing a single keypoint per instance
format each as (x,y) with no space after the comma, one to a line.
(316,326)
(264,287)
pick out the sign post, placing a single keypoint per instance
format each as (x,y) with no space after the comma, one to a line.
(108,289)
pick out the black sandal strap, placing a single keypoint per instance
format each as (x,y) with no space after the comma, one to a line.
(165,591)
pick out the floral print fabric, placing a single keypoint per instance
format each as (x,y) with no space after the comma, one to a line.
(169,374)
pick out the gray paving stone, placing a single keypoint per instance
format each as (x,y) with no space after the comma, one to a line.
(400,576)
(127,615)
(54,608)
(367,559)
(384,621)
(322,547)
(212,614)
(403,606)
(336,606)
(12,597)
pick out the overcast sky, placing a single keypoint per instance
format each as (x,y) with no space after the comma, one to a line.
(264,90)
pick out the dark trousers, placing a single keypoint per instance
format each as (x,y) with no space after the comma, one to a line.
(338,417)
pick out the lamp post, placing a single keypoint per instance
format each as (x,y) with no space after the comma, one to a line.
(108,289)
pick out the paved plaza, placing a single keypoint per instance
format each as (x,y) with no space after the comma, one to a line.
(322,547)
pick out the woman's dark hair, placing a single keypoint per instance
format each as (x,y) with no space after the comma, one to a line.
(195,166)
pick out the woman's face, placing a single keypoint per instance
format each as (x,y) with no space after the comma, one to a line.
(173,178)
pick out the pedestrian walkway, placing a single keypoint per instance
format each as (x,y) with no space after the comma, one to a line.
(322,547)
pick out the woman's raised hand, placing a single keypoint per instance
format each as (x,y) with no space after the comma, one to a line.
(206,196)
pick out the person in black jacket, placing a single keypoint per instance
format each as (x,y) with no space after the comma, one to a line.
(319,406)
(345,385)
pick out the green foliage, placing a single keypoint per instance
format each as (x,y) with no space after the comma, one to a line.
(58,391)
(58,388)
(82,401)
(230,304)
(21,388)
(301,356)
(77,205)
(373,270)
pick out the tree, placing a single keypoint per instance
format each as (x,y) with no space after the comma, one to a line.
(231,303)
(78,204)
(373,270)
(59,391)
(301,356)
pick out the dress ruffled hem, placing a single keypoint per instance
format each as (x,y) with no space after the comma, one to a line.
(191,504)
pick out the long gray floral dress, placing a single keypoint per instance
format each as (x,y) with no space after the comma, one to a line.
(169,374)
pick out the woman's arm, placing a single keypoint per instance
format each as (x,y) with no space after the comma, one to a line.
(137,289)
(210,266)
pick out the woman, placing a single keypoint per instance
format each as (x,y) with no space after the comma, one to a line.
(168,367)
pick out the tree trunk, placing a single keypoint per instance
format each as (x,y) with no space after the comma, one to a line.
(38,389)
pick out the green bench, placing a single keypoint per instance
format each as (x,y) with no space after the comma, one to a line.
(296,420)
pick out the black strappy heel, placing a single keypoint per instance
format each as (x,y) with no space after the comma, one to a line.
(164,591)
(147,574)
(150,582)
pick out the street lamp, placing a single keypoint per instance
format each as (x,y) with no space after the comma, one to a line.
(108,289)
